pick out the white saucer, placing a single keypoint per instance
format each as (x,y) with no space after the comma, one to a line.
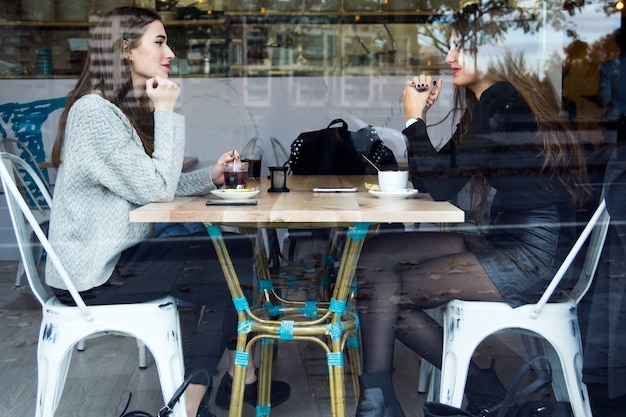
(394,195)
(234,194)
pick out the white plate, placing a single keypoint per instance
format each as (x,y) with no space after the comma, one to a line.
(394,195)
(234,195)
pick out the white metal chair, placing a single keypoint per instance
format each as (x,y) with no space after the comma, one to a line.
(429,376)
(39,208)
(468,323)
(155,323)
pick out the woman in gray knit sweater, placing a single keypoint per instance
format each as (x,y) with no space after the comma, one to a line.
(119,146)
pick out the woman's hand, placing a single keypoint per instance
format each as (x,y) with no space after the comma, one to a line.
(162,92)
(419,95)
(217,171)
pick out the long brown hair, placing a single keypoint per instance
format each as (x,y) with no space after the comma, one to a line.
(107,71)
(485,24)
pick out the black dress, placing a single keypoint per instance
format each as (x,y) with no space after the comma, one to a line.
(525,243)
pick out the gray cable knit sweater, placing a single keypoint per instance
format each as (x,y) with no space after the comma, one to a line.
(104,175)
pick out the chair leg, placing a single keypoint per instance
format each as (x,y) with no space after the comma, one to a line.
(429,376)
(579,397)
(435,384)
(265,377)
(19,275)
(337,384)
(429,380)
(454,375)
(52,372)
(171,375)
(426,369)
(354,355)
(567,382)
(566,362)
(236,398)
(142,354)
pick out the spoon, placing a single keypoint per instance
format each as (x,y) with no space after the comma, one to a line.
(370,162)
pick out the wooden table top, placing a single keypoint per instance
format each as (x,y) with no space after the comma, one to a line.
(303,207)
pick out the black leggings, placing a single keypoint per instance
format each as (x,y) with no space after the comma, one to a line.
(402,274)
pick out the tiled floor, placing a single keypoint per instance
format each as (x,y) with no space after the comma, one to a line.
(102,377)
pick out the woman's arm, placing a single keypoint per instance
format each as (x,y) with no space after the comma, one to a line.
(202,181)
(196,182)
(430,170)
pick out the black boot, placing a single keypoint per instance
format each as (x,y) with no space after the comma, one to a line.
(371,403)
(483,389)
(372,384)
(279,392)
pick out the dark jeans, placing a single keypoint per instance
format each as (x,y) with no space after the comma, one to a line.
(187,268)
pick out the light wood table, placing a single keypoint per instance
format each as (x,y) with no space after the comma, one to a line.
(300,207)
(333,325)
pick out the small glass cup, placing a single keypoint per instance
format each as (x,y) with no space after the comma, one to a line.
(235,174)
(254,164)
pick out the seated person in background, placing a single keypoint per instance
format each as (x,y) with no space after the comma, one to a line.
(120,145)
(510,137)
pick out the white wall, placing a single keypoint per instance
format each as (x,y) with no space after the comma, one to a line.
(224,113)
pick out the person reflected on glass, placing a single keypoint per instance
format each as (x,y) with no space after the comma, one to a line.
(612,90)
(120,145)
(510,138)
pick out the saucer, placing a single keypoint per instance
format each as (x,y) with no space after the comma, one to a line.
(394,195)
(232,194)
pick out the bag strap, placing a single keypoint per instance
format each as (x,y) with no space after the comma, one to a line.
(167,409)
(514,395)
(344,125)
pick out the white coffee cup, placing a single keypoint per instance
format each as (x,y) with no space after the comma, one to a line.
(390,181)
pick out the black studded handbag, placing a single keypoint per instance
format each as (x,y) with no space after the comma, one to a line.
(335,150)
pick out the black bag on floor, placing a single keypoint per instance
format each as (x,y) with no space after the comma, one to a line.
(512,405)
(204,410)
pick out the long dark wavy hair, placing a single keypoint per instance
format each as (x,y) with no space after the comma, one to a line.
(107,72)
(486,23)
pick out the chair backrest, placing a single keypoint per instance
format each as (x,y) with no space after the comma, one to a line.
(595,231)
(21,215)
(29,191)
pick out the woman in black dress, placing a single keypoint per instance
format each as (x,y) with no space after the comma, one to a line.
(510,138)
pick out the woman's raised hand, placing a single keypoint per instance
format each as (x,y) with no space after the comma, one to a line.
(217,172)
(162,92)
(420,93)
